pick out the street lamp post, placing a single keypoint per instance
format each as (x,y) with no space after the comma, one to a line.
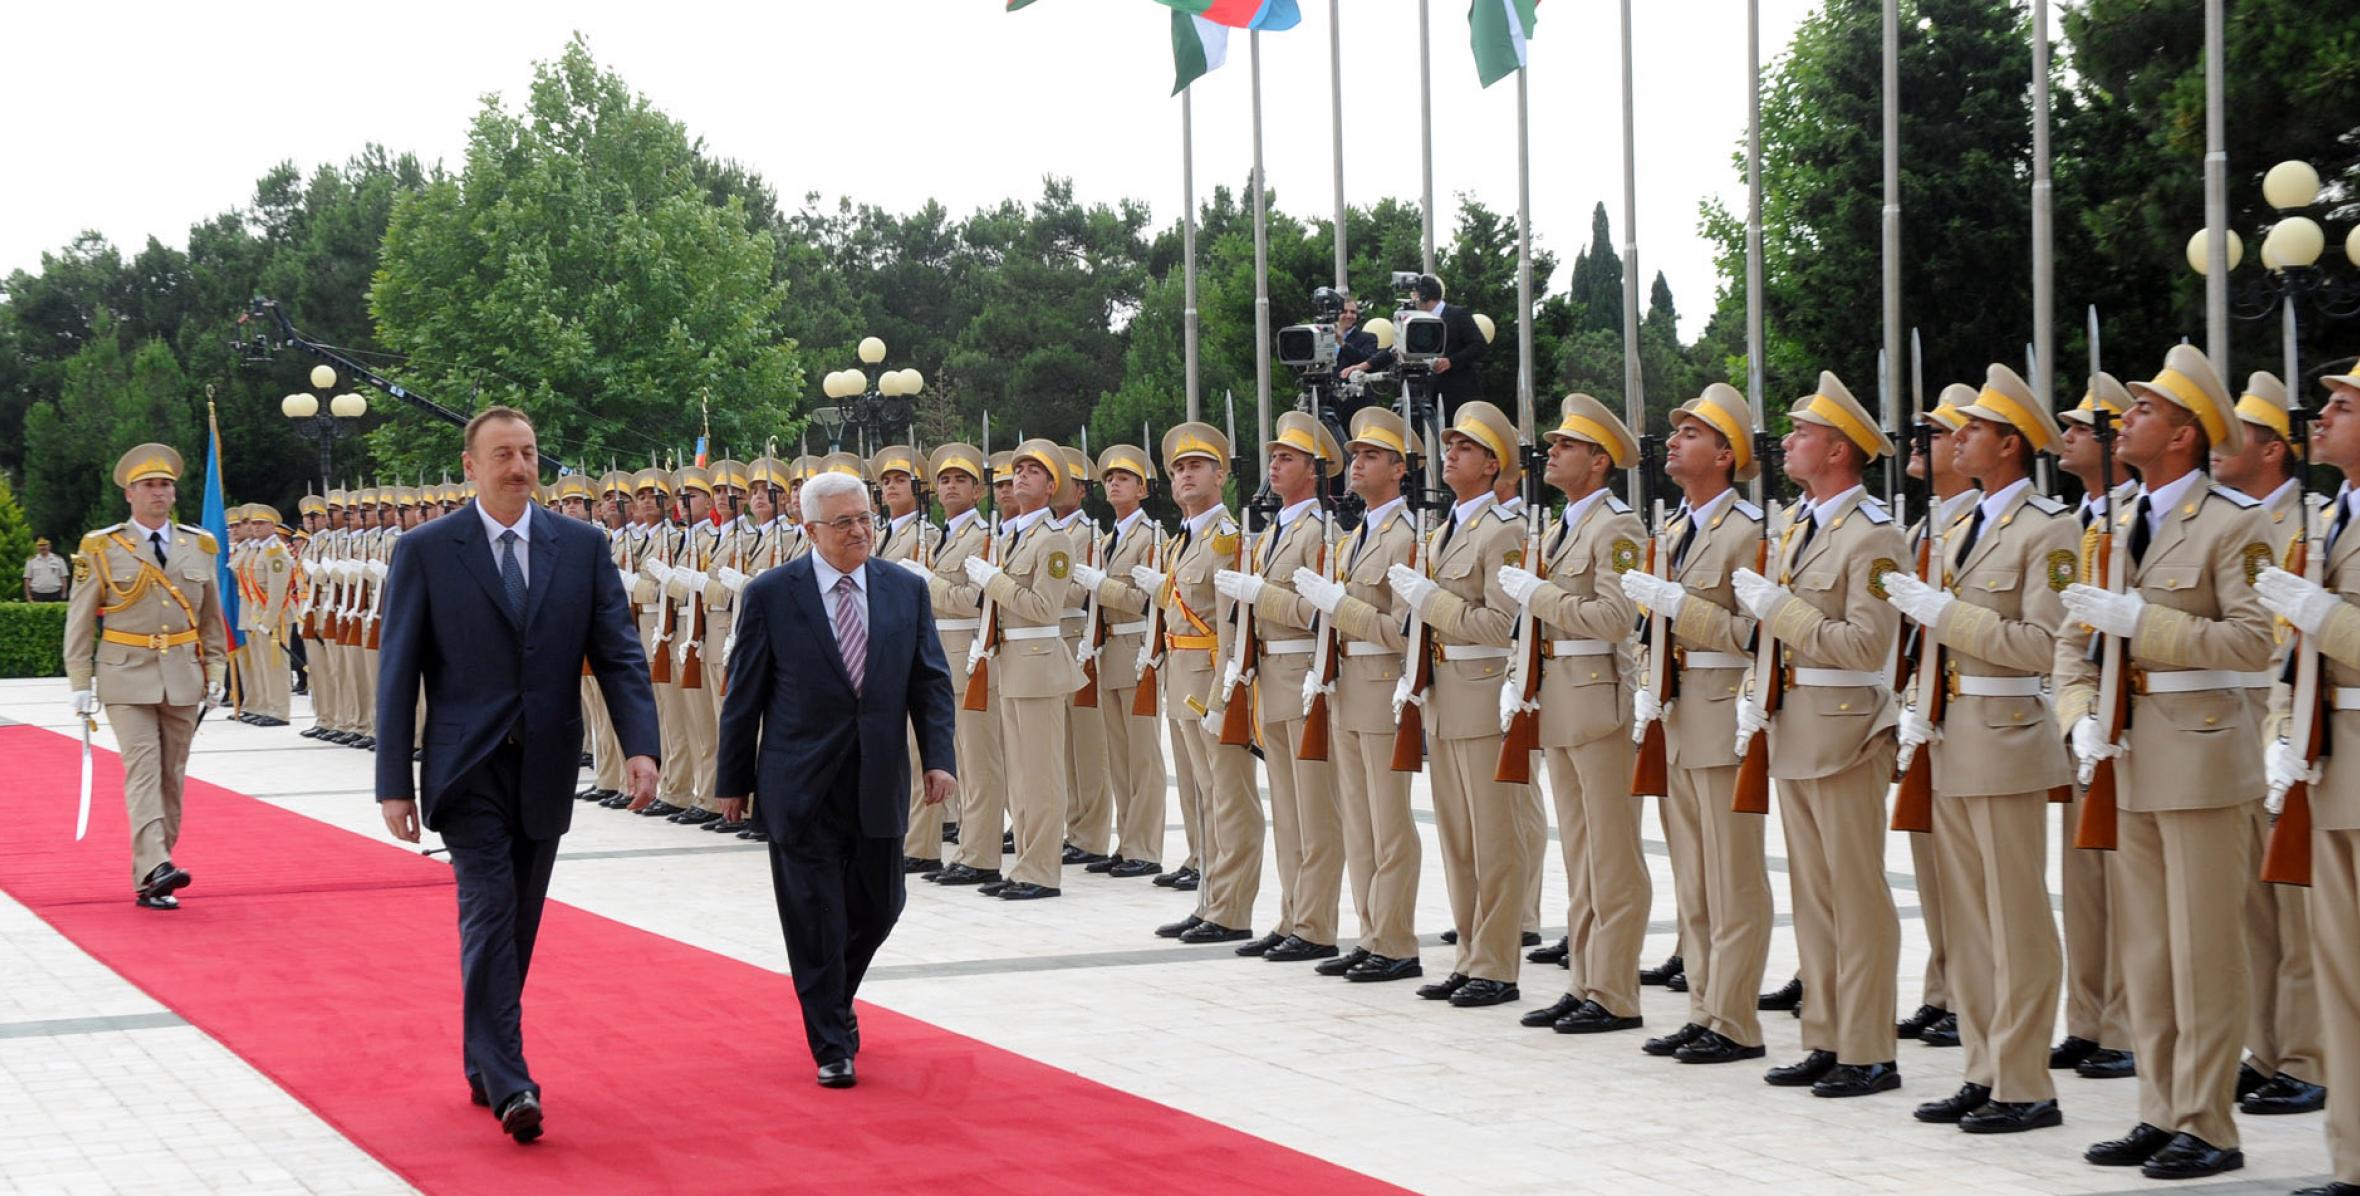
(324,428)
(877,403)
(2290,255)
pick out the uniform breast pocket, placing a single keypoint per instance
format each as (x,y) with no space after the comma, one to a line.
(1818,580)
(2198,713)
(2172,582)
(2009,713)
(1456,570)
(1701,580)
(1574,565)
(1995,581)
(195,568)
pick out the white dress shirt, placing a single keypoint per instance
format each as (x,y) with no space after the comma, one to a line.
(827,575)
(493,528)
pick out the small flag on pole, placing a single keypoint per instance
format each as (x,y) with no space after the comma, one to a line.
(1199,47)
(1500,28)
(216,521)
(1272,15)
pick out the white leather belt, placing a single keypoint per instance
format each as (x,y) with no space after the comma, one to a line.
(1368,648)
(1580,648)
(1290,647)
(2187,681)
(2258,679)
(1472,652)
(1127,628)
(2345,697)
(1718,660)
(1999,687)
(1031,633)
(958,624)
(1074,612)
(1839,678)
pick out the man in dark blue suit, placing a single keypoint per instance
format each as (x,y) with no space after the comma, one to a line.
(836,658)
(494,610)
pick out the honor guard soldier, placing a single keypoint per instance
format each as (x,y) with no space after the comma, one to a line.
(1992,610)
(1116,646)
(158,662)
(723,554)
(609,493)
(1718,872)
(2282,1069)
(908,540)
(1026,589)
(1832,744)
(2188,760)
(959,475)
(1382,849)
(2097,1043)
(656,547)
(319,617)
(267,578)
(1305,826)
(1089,807)
(2327,619)
(234,555)
(1583,620)
(1199,627)
(1477,819)
(694,674)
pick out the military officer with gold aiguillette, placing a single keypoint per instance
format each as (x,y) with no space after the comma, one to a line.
(157,662)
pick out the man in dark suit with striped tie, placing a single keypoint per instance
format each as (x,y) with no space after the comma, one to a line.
(836,656)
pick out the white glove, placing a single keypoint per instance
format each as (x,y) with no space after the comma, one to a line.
(1657,594)
(1751,721)
(85,703)
(694,580)
(980,572)
(630,582)
(217,695)
(1401,695)
(975,653)
(1311,689)
(1921,602)
(660,571)
(1089,576)
(1211,722)
(1245,587)
(1415,588)
(2090,746)
(378,569)
(2295,600)
(1757,593)
(2114,614)
(733,580)
(1319,591)
(1229,677)
(2285,766)
(1645,709)
(1511,700)
(1519,583)
(914,569)
(1147,579)
(1916,730)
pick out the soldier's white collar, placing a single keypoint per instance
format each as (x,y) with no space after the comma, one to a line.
(1712,506)
(958,523)
(900,521)
(1461,513)
(1123,526)
(1817,506)
(1288,514)
(2161,501)
(2281,493)
(1581,506)
(1024,521)
(1376,518)
(1206,518)
(1998,501)
(147,533)
(1957,504)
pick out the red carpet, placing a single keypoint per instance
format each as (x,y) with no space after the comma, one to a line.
(330,963)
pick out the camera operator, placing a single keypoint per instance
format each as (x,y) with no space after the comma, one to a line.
(1354,344)
(1463,348)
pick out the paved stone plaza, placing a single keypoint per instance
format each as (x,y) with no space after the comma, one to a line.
(103,1089)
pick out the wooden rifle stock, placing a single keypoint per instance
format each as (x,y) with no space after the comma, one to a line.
(2096,829)
(2287,858)
(1523,734)
(1087,696)
(977,698)
(1913,802)
(1409,729)
(1752,795)
(1913,805)
(1651,770)
(1144,701)
(1314,744)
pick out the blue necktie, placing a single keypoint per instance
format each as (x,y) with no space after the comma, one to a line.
(512,575)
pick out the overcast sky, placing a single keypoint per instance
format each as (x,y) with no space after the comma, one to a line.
(142,119)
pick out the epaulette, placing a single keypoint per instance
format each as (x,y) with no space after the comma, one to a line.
(1617,505)
(205,538)
(1874,511)
(2045,505)
(94,541)
(1228,526)
(2239,497)
(1506,515)
(1748,510)
(2318,502)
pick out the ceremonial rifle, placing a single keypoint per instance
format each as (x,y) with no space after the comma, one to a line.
(1417,660)
(2287,859)
(1651,773)
(1144,702)
(1521,696)
(1752,795)
(1314,745)
(987,633)
(1245,659)
(1921,663)
(2096,829)
(1093,619)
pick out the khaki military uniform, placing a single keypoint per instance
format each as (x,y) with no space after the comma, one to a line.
(1134,743)
(268,580)
(695,637)
(1925,859)
(2095,1007)
(161,648)
(983,794)
(2282,1032)
(902,541)
(662,543)
(2187,782)
(606,751)
(1199,632)
(1089,807)
(1037,676)
(1382,848)
(1305,822)
(319,655)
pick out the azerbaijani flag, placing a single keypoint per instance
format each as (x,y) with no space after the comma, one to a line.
(216,521)
(1501,28)
(1198,47)
(1273,15)
(1013,5)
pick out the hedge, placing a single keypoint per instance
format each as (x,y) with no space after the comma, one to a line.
(32,639)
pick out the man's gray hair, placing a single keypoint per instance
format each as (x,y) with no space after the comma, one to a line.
(827,485)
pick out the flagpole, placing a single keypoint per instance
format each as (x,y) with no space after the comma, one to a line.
(1524,386)
(1634,382)
(1892,248)
(1261,268)
(1426,130)
(2216,201)
(1188,246)
(1756,375)
(2044,247)
(1336,130)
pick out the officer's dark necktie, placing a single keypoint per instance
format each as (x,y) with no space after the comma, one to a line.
(2087,511)
(1810,529)
(1687,540)
(512,575)
(1443,545)
(157,540)
(2141,533)
(2343,515)
(1564,526)
(1974,530)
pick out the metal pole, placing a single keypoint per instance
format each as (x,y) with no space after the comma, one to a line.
(1892,251)
(1756,375)
(1336,130)
(1261,270)
(2044,242)
(2216,200)
(1524,380)
(1426,129)
(1188,249)
(1634,382)
(2293,361)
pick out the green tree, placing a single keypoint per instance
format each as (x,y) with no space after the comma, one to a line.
(110,401)
(16,531)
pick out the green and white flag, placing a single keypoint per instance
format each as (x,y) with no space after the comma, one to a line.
(1198,46)
(1500,28)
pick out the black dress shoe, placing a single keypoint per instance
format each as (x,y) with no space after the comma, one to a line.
(699,817)
(1712,1046)
(1530,938)
(583,761)
(1593,1018)
(1025,891)
(594,793)
(950,832)
(1069,854)
(1788,996)
(756,834)
(520,1118)
(2069,1052)
(1102,865)
(910,864)
(1297,949)
(1662,971)
(1342,963)
(1173,930)
(1127,869)
(2250,1078)
(165,901)
(658,808)
(2012,1117)
(1926,1015)
(731,826)
(2131,1149)
(1943,1033)
(2285,1094)
(1450,938)
(1214,932)
(1076,855)
(264,720)
(2187,1156)
(620,801)
(1189,879)
(309,733)
(2330,1188)
(1969,1097)
(2106,1063)
(993,888)
(837,1075)
(163,880)
(368,743)
(1676,984)
(1441,989)
(961,874)
(1858,1079)
(1007,842)
(1260,945)
(1377,969)
(1663,1046)
(1476,994)
(1541,1019)
(1168,879)
(1811,1069)
(1553,953)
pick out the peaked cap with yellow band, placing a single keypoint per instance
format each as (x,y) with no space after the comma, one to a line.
(652,478)
(966,458)
(2187,381)
(1077,473)
(1488,426)
(1194,439)
(801,468)
(148,461)
(1587,420)
(2104,388)
(2007,399)
(1379,427)
(1302,432)
(1127,457)
(845,463)
(261,512)
(1832,406)
(766,471)
(1003,464)
(575,485)
(1944,414)
(2350,381)
(695,477)
(1048,455)
(728,472)
(2264,405)
(614,481)
(311,504)
(335,500)
(1724,410)
(894,458)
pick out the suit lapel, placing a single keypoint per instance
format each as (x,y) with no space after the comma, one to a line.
(543,573)
(475,556)
(2172,529)
(882,621)
(803,594)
